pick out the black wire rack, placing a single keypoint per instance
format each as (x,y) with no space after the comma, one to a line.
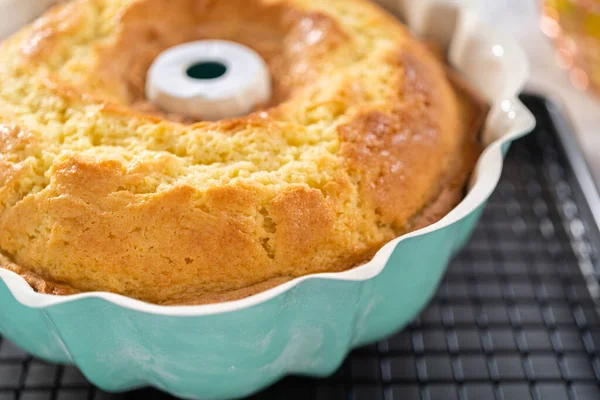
(516,317)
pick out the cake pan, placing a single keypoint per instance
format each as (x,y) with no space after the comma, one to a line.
(305,326)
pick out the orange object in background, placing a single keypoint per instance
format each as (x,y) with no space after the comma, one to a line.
(575,27)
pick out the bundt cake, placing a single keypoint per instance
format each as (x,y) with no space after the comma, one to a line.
(367,136)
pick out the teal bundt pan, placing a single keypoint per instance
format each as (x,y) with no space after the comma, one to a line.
(308,325)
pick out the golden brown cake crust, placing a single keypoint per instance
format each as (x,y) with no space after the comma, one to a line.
(366,138)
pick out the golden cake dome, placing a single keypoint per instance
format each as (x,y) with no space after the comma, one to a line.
(364,138)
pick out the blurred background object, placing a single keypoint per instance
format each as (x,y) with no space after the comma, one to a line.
(574,25)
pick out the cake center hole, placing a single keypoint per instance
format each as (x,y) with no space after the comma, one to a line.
(206,70)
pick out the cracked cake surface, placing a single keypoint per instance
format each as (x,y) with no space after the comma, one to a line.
(366,137)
